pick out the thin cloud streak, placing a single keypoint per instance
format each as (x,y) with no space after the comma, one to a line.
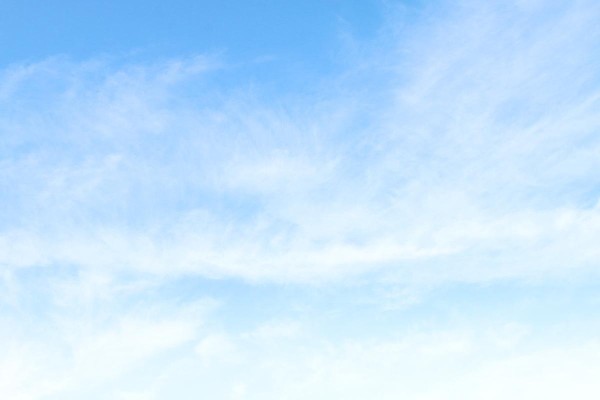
(428,213)
(484,153)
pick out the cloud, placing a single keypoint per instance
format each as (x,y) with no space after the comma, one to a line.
(478,139)
(168,233)
(463,362)
(91,349)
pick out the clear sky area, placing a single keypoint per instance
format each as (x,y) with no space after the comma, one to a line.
(299,200)
(303,32)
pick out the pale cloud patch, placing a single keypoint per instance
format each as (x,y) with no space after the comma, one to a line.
(477,143)
(464,149)
(215,348)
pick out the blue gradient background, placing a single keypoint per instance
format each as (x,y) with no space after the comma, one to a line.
(318,199)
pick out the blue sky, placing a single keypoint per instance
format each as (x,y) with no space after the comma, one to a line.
(242,200)
(298,33)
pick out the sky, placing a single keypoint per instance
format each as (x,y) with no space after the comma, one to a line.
(289,200)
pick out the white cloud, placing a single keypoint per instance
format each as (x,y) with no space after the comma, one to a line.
(89,353)
(482,135)
(215,348)
(461,147)
(273,330)
(436,364)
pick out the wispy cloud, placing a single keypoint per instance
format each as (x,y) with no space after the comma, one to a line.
(483,142)
(459,146)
